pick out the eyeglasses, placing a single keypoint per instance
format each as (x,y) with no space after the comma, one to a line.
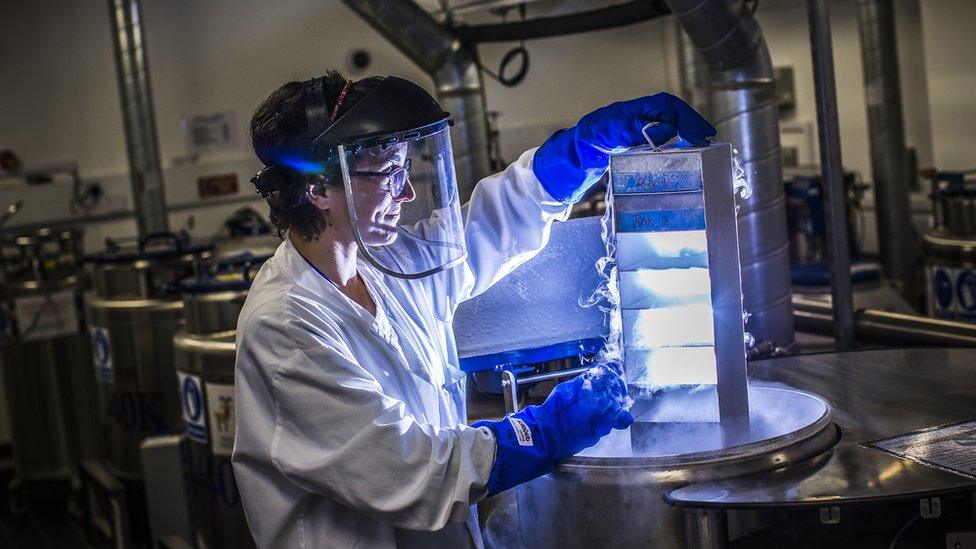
(396,178)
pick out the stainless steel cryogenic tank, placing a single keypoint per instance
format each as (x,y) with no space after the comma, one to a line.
(612,495)
(205,364)
(43,352)
(697,418)
(132,343)
(205,354)
(144,269)
(132,323)
(214,299)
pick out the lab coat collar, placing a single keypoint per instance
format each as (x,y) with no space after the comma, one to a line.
(299,270)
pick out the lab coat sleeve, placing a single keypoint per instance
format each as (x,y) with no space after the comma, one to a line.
(506,223)
(337,434)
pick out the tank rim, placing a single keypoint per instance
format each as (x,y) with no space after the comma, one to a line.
(713,457)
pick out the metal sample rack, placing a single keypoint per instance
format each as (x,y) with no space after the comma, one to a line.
(677,255)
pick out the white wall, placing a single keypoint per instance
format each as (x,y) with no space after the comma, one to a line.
(950,56)
(203,57)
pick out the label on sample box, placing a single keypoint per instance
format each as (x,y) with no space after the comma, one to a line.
(948,447)
(220,407)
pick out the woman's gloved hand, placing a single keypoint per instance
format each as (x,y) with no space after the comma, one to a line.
(577,414)
(573,159)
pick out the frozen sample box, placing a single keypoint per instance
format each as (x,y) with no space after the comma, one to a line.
(680,282)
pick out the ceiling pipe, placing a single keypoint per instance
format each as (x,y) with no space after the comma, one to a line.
(454,69)
(832,174)
(138,115)
(878,327)
(610,17)
(693,76)
(886,132)
(743,104)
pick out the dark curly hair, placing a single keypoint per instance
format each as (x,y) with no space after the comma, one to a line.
(276,124)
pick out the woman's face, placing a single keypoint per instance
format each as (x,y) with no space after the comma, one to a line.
(377,210)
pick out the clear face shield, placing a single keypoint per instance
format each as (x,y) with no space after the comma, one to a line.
(403,201)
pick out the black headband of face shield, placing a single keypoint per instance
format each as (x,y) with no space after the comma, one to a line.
(313,92)
(271,178)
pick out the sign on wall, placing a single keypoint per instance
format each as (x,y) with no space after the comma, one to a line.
(209,132)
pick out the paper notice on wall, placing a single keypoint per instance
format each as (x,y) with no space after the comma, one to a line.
(220,403)
(210,132)
(46,316)
(947,447)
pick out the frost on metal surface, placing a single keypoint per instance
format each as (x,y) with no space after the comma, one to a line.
(538,304)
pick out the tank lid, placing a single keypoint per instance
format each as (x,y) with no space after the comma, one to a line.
(154,246)
(968,190)
(940,243)
(233,273)
(216,343)
(682,428)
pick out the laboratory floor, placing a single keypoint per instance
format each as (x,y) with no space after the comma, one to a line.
(42,528)
(880,526)
(42,525)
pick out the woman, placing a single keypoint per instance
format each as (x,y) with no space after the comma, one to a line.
(351,428)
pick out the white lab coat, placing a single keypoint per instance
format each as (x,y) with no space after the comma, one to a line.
(351,429)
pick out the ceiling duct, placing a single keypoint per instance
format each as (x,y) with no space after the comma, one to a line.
(743,108)
(459,7)
(594,19)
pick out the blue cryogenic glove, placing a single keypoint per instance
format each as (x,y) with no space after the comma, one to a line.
(577,414)
(573,159)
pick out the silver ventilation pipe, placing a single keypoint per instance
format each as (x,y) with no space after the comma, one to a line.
(693,76)
(454,69)
(135,92)
(744,111)
(886,130)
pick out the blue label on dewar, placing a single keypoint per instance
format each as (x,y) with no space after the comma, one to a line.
(966,291)
(191,399)
(102,354)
